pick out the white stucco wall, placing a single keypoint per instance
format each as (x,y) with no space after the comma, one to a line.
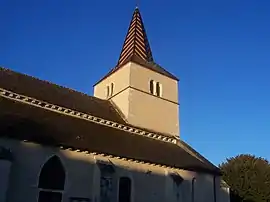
(224,194)
(4,178)
(149,183)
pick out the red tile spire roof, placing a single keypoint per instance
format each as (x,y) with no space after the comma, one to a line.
(136,42)
(137,49)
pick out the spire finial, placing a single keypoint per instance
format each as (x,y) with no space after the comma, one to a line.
(137,4)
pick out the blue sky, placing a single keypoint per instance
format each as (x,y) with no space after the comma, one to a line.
(219,49)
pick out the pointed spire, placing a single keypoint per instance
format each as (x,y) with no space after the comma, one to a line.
(136,42)
(136,49)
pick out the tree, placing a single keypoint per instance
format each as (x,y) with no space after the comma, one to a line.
(249,178)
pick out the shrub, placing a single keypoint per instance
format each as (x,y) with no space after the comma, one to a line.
(249,178)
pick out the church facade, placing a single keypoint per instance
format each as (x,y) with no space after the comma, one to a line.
(120,145)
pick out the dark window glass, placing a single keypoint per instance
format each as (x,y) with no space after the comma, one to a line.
(158,89)
(152,87)
(45,196)
(124,189)
(112,85)
(52,175)
(108,91)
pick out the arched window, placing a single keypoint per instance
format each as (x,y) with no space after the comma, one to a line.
(152,87)
(155,88)
(193,185)
(112,86)
(51,181)
(107,171)
(108,91)
(124,194)
(158,89)
(177,179)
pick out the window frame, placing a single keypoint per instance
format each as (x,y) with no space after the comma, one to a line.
(152,87)
(110,90)
(155,88)
(107,91)
(158,89)
(49,190)
(130,191)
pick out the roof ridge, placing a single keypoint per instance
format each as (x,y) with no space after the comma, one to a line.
(193,152)
(118,110)
(49,82)
(85,116)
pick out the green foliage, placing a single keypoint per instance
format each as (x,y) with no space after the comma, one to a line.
(248,177)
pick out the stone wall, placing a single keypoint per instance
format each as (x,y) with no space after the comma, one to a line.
(92,177)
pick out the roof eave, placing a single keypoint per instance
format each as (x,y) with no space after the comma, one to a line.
(146,65)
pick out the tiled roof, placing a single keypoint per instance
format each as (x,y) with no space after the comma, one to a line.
(57,95)
(137,49)
(26,122)
(136,42)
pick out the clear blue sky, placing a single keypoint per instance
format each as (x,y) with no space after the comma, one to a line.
(219,49)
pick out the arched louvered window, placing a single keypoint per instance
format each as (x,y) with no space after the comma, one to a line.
(152,87)
(51,181)
(158,89)
(124,194)
(193,189)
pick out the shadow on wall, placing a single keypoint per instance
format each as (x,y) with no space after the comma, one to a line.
(47,173)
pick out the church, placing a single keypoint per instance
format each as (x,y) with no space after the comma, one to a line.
(120,145)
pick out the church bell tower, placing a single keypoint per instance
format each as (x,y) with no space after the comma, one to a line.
(142,91)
